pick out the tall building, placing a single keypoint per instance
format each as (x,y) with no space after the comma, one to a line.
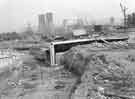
(49,18)
(49,24)
(41,23)
(29,29)
(46,25)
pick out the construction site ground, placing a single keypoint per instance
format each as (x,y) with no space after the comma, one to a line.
(33,81)
(28,79)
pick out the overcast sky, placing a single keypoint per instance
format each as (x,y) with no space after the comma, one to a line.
(15,14)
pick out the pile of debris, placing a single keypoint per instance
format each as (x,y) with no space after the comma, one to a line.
(101,75)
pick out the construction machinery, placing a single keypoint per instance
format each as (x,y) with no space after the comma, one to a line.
(124,10)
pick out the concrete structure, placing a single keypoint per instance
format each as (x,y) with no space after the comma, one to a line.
(79,32)
(46,25)
(62,46)
(41,23)
(49,18)
(10,58)
(49,26)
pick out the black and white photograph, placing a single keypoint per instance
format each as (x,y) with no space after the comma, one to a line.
(67,49)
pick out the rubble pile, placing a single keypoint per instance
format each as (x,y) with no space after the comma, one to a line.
(103,74)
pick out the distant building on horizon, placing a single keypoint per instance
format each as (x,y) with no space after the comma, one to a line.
(41,23)
(46,25)
(49,24)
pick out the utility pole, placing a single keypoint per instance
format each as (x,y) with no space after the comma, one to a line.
(124,9)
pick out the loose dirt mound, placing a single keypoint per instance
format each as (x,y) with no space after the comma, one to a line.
(101,74)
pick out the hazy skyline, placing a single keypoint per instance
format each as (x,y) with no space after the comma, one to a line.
(15,14)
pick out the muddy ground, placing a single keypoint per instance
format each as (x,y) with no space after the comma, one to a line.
(33,81)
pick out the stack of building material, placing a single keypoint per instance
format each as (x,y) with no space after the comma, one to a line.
(102,74)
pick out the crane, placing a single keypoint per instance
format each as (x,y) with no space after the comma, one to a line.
(124,9)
